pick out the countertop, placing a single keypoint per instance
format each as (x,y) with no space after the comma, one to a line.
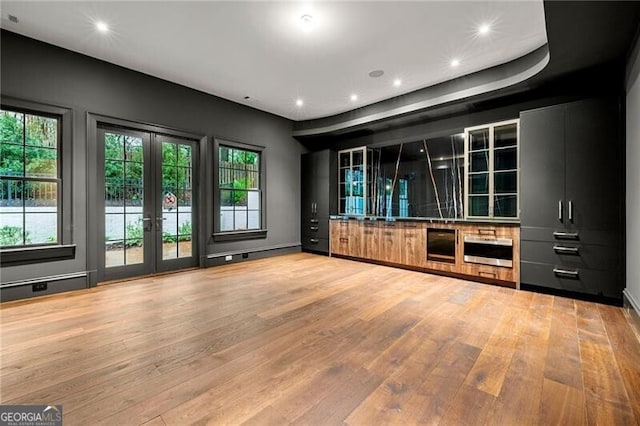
(502,222)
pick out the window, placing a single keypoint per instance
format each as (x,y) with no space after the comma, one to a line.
(240,183)
(492,170)
(30,178)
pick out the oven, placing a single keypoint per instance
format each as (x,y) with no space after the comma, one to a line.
(488,251)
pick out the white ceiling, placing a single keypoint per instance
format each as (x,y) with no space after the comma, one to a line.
(235,49)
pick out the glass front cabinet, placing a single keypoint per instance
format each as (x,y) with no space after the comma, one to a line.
(354,177)
(492,170)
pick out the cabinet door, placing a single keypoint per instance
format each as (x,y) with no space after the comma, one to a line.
(390,242)
(414,251)
(593,172)
(542,158)
(307,187)
(321,183)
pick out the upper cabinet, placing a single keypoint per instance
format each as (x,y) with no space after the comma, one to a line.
(491,171)
(354,174)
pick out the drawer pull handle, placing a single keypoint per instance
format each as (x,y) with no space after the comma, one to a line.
(344,240)
(314,240)
(566,235)
(486,231)
(410,225)
(566,250)
(566,273)
(344,223)
(313,228)
(369,224)
(314,221)
(388,233)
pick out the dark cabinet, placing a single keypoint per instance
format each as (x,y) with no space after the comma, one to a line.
(318,198)
(572,197)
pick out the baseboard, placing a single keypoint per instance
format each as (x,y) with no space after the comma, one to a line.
(587,297)
(218,259)
(43,286)
(632,311)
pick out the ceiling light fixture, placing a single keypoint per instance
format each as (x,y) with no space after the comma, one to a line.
(484,29)
(354,98)
(397,82)
(455,62)
(299,102)
(102,27)
(306,21)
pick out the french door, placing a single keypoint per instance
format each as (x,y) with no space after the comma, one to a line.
(148,209)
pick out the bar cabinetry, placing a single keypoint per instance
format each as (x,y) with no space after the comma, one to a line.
(491,252)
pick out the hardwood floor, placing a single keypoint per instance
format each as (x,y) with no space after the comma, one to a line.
(309,339)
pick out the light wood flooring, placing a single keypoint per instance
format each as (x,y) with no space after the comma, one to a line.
(314,340)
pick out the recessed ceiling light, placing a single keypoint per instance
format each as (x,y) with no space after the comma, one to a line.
(455,62)
(484,29)
(397,82)
(299,102)
(102,27)
(354,97)
(376,73)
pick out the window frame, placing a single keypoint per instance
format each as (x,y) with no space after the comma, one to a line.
(236,235)
(63,248)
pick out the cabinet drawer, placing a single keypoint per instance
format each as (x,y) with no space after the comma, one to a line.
(587,281)
(586,236)
(571,254)
(488,271)
(315,244)
(318,227)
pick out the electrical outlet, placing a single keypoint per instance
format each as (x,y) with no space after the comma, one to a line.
(39,287)
(245,255)
(228,258)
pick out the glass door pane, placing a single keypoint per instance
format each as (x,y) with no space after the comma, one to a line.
(123,199)
(174,202)
(176,193)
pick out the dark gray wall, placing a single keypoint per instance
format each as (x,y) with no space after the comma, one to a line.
(35,71)
(632,290)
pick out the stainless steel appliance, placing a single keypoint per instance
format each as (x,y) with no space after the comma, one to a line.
(488,250)
(441,245)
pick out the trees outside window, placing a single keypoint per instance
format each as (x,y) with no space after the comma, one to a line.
(239,189)
(30,182)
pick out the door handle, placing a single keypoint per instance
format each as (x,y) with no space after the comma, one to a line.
(566,273)
(159,221)
(147,224)
(567,250)
(570,211)
(560,210)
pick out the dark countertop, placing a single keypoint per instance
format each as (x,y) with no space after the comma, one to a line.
(501,222)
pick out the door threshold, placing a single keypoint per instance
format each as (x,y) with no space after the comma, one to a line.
(139,277)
